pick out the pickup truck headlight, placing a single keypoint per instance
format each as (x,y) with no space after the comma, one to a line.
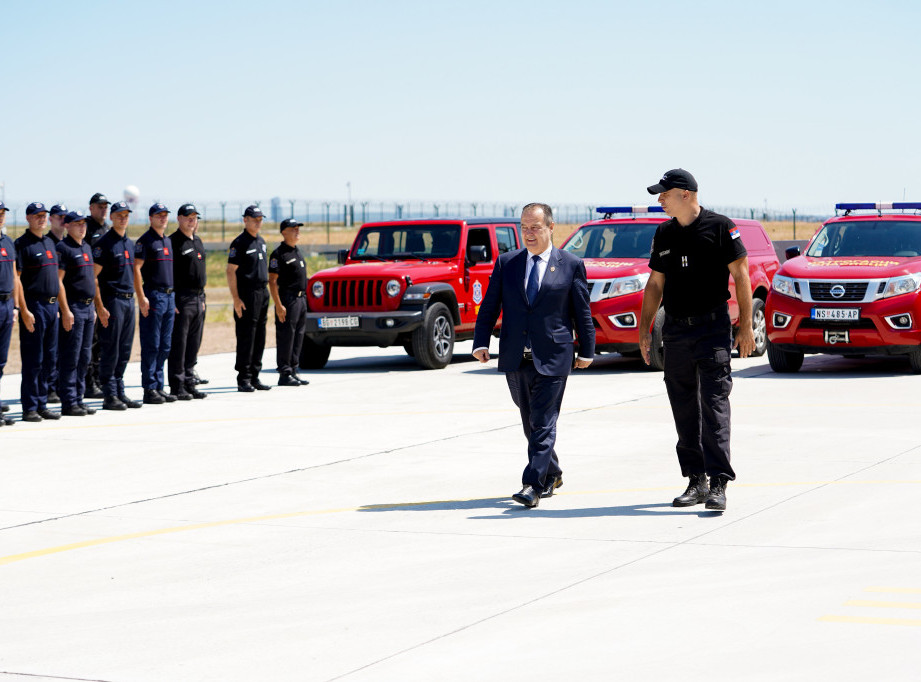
(786,286)
(317,289)
(393,287)
(906,284)
(621,286)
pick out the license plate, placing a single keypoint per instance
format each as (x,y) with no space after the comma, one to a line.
(837,336)
(836,313)
(350,322)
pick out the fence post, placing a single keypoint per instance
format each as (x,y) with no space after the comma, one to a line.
(326,206)
(794,224)
(223,219)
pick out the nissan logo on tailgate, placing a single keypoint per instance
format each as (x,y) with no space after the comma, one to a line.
(837,291)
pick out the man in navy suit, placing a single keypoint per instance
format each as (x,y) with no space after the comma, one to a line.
(542,294)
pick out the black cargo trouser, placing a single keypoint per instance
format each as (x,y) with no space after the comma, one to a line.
(250,329)
(186,339)
(698,380)
(289,335)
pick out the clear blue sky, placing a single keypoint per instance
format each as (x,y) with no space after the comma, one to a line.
(797,104)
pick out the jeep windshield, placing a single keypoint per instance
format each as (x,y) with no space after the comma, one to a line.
(868,238)
(418,242)
(617,240)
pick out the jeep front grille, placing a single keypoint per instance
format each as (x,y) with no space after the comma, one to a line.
(353,293)
(853,291)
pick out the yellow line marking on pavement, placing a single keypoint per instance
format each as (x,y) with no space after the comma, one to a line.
(883,604)
(895,590)
(871,621)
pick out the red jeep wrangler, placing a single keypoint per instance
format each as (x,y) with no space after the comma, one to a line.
(412,283)
(616,255)
(854,292)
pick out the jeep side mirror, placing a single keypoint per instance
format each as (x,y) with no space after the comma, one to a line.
(342,256)
(477,254)
(792,252)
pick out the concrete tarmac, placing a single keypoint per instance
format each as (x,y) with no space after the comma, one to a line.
(361,528)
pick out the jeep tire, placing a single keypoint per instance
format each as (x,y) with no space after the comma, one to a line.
(433,342)
(313,355)
(783,361)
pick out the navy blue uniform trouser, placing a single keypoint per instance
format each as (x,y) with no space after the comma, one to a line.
(7,315)
(698,380)
(33,348)
(115,342)
(51,361)
(186,340)
(250,329)
(538,398)
(289,335)
(156,334)
(75,351)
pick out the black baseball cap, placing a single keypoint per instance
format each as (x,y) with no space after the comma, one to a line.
(289,222)
(73,217)
(3,207)
(99,198)
(36,207)
(187,209)
(119,206)
(58,209)
(253,211)
(157,208)
(677,178)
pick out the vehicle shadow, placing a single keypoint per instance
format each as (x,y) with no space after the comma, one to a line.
(509,509)
(838,367)
(375,363)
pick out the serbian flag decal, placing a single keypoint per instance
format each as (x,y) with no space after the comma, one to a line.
(734,232)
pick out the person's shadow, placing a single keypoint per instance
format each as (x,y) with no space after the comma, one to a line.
(509,509)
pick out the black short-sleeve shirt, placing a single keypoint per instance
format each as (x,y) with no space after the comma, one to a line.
(7,263)
(94,230)
(53,237)
(37,262)
(114,253)
(288,263)
(157,254)
(76,260)
(188,262)
(248,254)
(694,259)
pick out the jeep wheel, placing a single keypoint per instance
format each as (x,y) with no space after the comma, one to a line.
(433,342)
(914,359)
(313,355)
(759,327)
(782,361)
(656,347)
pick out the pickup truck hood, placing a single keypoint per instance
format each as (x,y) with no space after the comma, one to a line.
(419,271)
(863,267)
(609,268)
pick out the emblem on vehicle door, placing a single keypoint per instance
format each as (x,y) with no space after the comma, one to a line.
(837,291)
(477,292)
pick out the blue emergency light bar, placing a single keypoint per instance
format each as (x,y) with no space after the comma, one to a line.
(610,210)
(909,205)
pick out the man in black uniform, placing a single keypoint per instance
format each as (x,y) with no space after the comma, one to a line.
(52,363)
(10,297)
(189,278)
(75,263)
(37,262)
(247,277)
(95,228)
(692,254)
(288,285)
(113,254)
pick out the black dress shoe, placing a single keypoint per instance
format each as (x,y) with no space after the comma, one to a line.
(48,414)
(93,391)
(695,494)
(166,396)
(197,379)
(245,387)
(88,410)
(259,386)
(288,380)
(716,500)
(553,482)
(129,403)
(31,416)
(112,403)
(153,398)
(4,408)
(181,394)
(527,496)
(53,398)
(73,411)
(302,382)
(6,421)
(195,393)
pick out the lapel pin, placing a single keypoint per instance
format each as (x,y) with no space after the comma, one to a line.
(552,269)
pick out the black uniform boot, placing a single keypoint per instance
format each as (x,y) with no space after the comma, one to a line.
(695,494)
(716,500)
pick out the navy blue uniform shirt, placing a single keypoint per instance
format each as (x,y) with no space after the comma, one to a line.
(157,254)
(115,254)
(76,260)
(248,254)
(288,263)
(7,263)
(37,262)
(188,262)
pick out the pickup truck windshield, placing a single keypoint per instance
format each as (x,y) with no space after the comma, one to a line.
(619,240)
(407,241)
(868,238)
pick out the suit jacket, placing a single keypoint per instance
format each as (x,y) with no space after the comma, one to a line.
(561,306)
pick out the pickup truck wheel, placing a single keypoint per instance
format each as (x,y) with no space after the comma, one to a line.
(408,347)
(433,342)
(313,355)
(759,326)
(657,348)
(782,361)
(914,359)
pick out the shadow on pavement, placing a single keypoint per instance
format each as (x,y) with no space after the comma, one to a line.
(655,509)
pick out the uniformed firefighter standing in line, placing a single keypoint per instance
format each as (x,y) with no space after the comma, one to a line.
(288,286)
(190,369)
(153,284)
(52,362)
(10,297)
(56,229)
(37,262)
(692,256)
(75,343)
(113,253)
(189,278)
(247,277)
(95,228)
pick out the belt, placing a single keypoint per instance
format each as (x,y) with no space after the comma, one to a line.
(190,292)
(163,290)
(5,297)
(527,355)
(697,319)
(294,294)
(121,295)
(43,299)
(84,301)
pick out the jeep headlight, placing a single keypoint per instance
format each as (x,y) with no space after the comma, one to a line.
(393,287)
(906,284)
(621,286)
(786,286)
(317,289)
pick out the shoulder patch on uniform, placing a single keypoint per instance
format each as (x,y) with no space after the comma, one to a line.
(232,252)
(734,232)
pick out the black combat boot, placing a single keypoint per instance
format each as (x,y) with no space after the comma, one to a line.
(716,500)
(695,494)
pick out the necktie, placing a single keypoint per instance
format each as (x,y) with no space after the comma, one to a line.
(532,287)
